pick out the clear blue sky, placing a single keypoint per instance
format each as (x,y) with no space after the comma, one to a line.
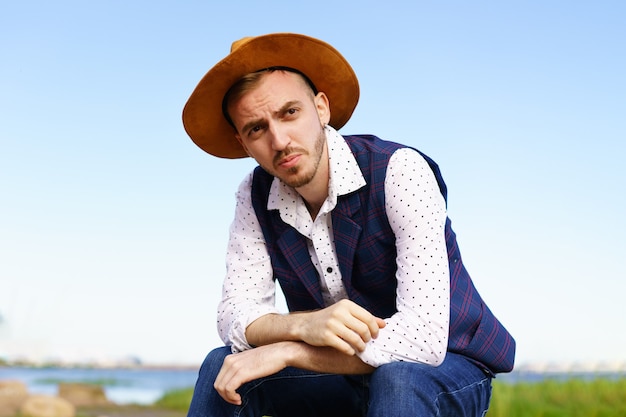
(113,224)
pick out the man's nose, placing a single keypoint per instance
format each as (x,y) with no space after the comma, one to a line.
(279,137)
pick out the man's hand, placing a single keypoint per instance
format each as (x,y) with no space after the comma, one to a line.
(344,326)
(246,366)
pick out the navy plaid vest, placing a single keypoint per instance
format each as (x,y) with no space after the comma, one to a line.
(365,246)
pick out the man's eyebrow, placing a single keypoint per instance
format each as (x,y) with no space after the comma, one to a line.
(282,110)
(251,124)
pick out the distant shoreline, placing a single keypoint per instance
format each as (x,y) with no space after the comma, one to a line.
(147,367)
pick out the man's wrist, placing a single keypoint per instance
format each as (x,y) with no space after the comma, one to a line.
(293,352)
(294,326)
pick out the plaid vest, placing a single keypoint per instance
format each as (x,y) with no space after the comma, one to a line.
(366,251)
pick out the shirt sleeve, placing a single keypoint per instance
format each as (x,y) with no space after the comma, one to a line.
(416,210)
(248,291)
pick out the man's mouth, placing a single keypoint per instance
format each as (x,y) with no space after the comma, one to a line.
(289,161)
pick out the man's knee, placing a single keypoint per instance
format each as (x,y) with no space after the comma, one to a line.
(402,379)
(402,374)
(457,387)
(213,361)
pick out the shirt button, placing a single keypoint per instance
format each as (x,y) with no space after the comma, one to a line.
(329,270)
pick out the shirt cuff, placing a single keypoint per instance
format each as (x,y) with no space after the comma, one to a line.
(373,356)
(237,335)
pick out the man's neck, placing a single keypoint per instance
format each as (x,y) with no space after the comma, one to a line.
(314,193)
(313,210)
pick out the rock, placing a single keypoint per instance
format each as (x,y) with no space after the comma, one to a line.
(12,395)
(83,395)
(47,406)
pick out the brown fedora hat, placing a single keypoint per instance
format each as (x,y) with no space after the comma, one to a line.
(321,63)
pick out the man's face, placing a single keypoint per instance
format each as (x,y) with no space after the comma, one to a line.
(280,123)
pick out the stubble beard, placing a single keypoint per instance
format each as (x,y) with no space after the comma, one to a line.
(295,179)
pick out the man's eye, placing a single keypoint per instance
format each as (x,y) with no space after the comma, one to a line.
(254,131)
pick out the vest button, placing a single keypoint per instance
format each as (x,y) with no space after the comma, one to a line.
(329,270)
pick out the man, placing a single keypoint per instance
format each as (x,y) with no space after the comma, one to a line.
(384,319)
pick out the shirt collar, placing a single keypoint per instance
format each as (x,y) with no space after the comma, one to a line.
(345,177)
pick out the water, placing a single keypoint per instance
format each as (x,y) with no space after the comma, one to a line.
(122,386)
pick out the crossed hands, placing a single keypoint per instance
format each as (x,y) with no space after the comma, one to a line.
(345,327)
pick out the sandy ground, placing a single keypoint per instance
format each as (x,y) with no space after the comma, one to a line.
(127,411)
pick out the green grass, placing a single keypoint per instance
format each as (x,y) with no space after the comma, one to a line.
(550,398)
(176,399)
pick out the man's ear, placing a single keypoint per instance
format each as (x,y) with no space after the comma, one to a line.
(322,106)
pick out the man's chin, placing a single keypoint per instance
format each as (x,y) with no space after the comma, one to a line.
(296,180)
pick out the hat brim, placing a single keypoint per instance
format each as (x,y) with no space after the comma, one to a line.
(324,65)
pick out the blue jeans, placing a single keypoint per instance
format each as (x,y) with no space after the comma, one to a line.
(457,388)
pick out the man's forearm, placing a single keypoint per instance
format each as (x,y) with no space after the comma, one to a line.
(323,359)
(273,328)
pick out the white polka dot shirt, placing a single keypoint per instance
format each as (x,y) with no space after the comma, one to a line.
(418,332)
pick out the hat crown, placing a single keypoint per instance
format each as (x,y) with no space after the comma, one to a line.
(239,43)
